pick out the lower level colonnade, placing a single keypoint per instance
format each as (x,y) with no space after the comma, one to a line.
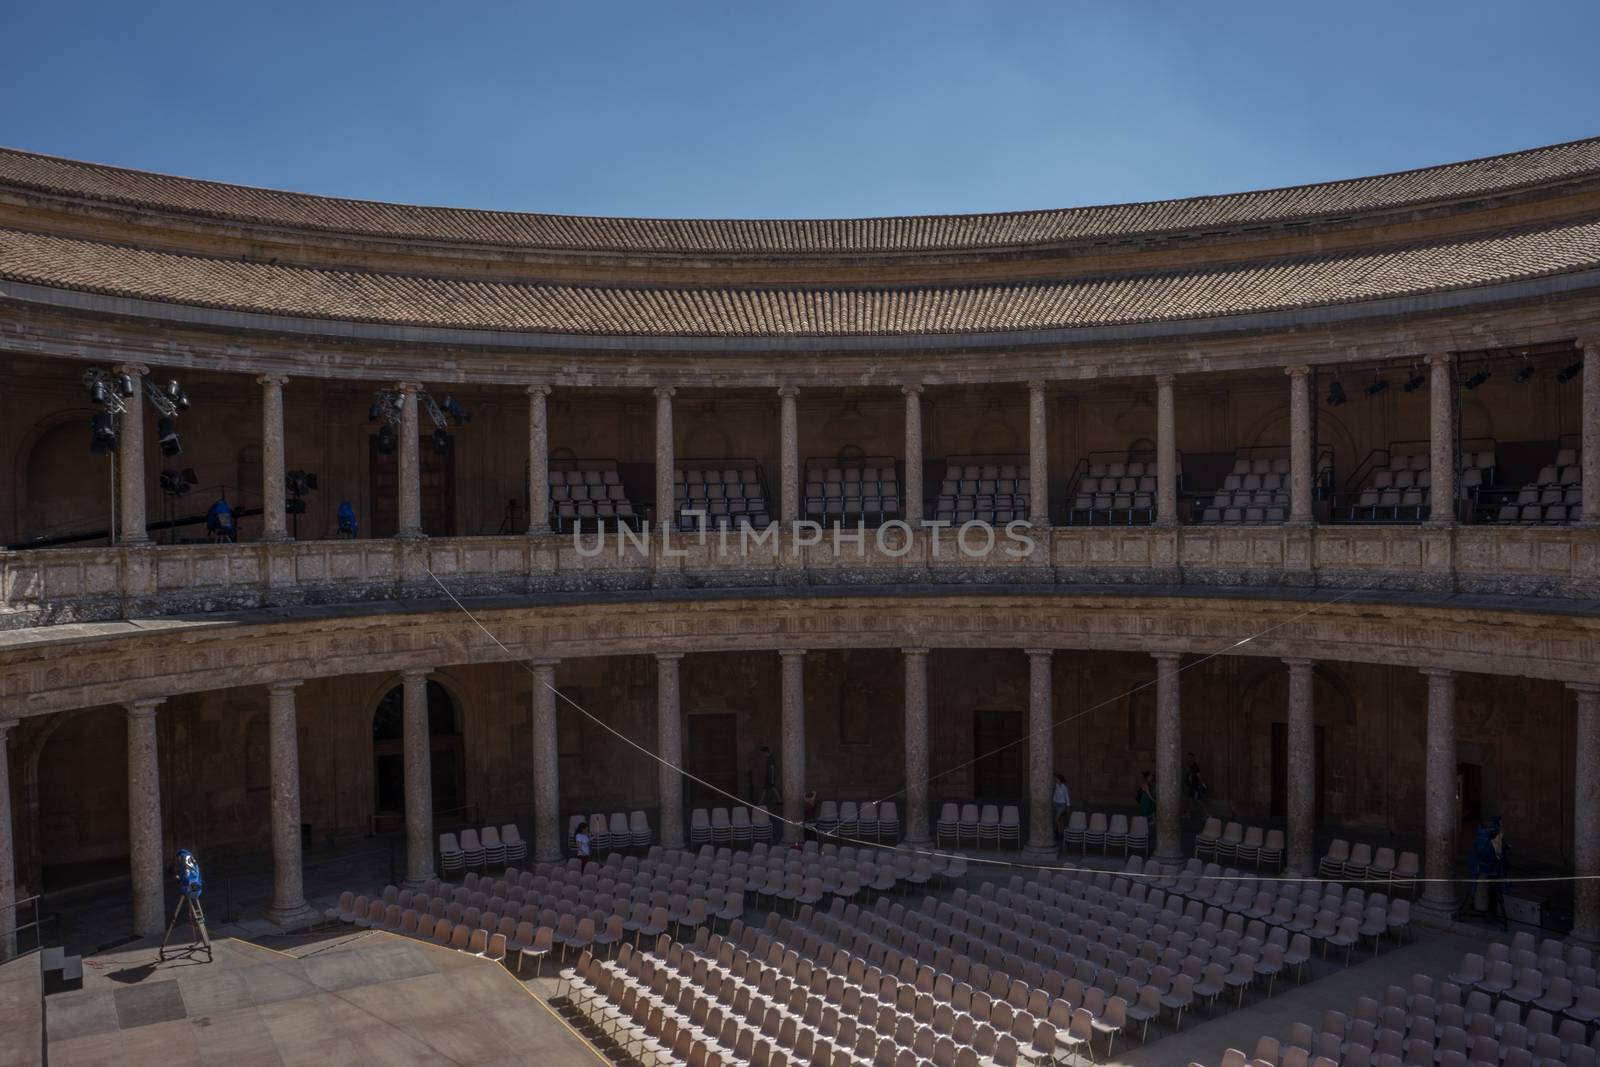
(148,851)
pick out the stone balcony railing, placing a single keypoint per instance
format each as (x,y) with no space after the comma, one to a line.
(50,586)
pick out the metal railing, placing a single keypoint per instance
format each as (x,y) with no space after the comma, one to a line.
(25,928)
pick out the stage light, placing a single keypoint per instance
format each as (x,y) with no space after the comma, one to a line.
(1414,383)
(375,412)
(1335,394)
(1378,386)
(385,439)
(104,437)
(167,435)
(98,391)
(1569,372)
(125,384)
(1476,380)
(178,482)
(455,410)
(1524,374)
(441,442)
(175,393)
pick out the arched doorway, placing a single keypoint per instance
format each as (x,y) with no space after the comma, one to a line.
(82,775)
(388,752)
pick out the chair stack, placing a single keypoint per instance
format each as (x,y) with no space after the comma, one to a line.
(1116,494)
(866,493)
(1257,491)
(617,831)
(849,820)
(730,826)
(1258,846)
(1360,862)
(1114,832)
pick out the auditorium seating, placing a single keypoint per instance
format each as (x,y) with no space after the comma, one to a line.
(1109,832)
(1116,493)
(995,825)
(864,492)
(1258,846)
(1399,490)
(738,826)
(481,849)
(852,821)
(588,495)
(1256,491)
(995,493)
(617,832)
(1360,862)
(1555,495)
(730,493)
(1517,1005)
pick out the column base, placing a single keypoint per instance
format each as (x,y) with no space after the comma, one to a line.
(410,535)
(1039,853)
(1442,910)
(1178,857)
(413,883)
(275,538)
(294,918)
(919,840)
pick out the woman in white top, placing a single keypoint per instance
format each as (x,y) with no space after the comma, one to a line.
(1061,801)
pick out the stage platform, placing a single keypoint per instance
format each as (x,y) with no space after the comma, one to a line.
(343,997)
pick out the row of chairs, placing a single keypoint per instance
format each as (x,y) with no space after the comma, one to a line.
(490,847)
(1113,832)
(990,824)
(617,832)
(868,820)
(738,826)
(1256,845)
(1360,862)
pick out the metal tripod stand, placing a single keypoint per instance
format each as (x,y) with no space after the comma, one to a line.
(197,922)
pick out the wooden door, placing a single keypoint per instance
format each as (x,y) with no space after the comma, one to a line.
(1280,770)
(438,481)
(712,756)
(1000,750)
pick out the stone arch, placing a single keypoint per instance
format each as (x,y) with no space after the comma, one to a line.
(53,494)
(446,722)
(79,765)
(1264,700)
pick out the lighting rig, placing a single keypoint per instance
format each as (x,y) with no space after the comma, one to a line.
(386,407)
(298,483)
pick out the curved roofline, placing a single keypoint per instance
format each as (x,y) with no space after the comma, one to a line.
(979,231)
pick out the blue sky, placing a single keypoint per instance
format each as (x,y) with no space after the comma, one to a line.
(793,109)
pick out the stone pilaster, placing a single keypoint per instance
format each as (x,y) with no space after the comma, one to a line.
(145,845)
(1590,432)
(410,515)
(915,826)
(131,514)
(1440,814)
(8,871)
(418,754)
(1302,446)
(1038,456)
(274,515)
(1169,759)
(1586,817)
(1166,452)
(789,454)
(1302,772)
(666,506)
(1442,440)
(547,836)
(912,505)
(669,746)
(538,461)
(794,741)
(1041,756)
(288,880)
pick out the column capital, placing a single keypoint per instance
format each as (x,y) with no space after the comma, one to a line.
(1299,662)
(1166,657)
(911,389)
(132,368)
(1298,370)
(1166,379)
(664,392)
(1036,653)
(546,664)
(5,727)
(408,387)
(408,673)
(286,685)
(792,653)
(1037,385)
(1438,672)
(1585,688)
(144,709)
(538,389)
(789,391)
(280,380)
(668,657)
(1589,344)
(915,650)
(1439,359)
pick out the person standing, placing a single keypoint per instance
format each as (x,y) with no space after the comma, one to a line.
(1061,803)
(584,848)
(1145,798)
(1195,785)
(770,798)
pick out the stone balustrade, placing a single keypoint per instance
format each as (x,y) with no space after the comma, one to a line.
(97,584)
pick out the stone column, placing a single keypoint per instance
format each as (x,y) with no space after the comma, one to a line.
(288,882)
(131,515)
(418,748)
(1041,757)
(274,518)
(912,508)
(145,844)
(915,825)
(547,836)
(538,461)
(8,872)
(1590,431)
(789,458)
(1166,453)
(410,525)
(1169,760)
(794,741)
(1442,452)
(1586,816)
(1302,446)
(1302,759)
(669,746)
(1440,814)
(1038,456)
(666,505)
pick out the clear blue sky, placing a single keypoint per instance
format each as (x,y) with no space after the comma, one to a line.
(794,108)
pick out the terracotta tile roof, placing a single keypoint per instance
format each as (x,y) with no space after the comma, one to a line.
(757,312)
(928,233)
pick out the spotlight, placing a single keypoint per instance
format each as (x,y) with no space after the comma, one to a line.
(375,412)
(1569,372)
(176,394)
(385,439)
(167,434)
(1476,380)
(1524,374)
(98,391)
(178,482)
(441,442)
(1378,386)
(1335,394)
(300,482)
(104,438)
(1414,382)
(452,408)
(125,384)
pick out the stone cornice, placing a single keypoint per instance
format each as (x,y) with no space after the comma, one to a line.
(127,663)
